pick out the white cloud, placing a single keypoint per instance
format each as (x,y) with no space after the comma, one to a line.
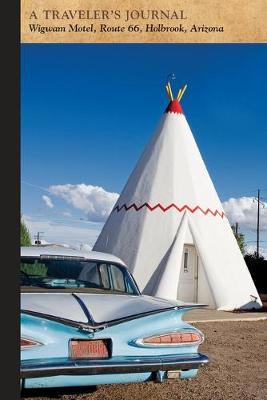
(244,211)
(94,201)
(48,201)
(66,214)
(73,234)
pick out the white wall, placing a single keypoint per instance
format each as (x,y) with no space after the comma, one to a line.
(204,294)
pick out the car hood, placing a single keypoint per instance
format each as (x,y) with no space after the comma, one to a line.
(95,308)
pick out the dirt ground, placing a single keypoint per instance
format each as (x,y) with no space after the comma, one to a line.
(238,370)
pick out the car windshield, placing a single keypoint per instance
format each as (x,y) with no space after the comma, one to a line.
(73,274)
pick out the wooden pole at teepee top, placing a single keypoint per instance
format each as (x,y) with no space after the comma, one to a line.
(181,93)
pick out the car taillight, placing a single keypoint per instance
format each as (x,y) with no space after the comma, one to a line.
(174,338)
(27,343)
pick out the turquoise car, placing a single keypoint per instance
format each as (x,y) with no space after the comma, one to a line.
(84,322)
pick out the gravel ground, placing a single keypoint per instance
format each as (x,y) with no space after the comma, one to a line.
(238,370)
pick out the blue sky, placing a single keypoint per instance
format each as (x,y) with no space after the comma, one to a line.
(87,111)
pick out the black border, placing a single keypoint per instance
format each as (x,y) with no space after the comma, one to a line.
(10,170)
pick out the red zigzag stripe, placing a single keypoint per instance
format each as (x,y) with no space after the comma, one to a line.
(164,209)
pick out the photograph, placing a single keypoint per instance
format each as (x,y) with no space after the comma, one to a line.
(143,225)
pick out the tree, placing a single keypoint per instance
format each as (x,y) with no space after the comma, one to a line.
(258,269)
(240,238)
(254,256)
(25,238)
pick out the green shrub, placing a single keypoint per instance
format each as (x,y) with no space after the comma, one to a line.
(25,238)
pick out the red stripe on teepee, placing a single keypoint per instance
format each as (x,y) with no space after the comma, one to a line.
(164,209)
(174,106)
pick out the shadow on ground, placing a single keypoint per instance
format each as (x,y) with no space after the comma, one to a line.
(56,393)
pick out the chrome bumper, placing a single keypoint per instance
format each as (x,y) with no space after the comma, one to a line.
(115,365)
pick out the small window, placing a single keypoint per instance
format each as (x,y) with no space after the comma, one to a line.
(186,261)
(117,278)
(129,287)
(90,273)
(103,270)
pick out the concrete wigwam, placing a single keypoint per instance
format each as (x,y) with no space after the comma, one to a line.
(169,226)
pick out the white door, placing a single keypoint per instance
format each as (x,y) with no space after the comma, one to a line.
(187,287)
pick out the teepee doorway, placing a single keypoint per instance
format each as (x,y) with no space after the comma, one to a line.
(188,280)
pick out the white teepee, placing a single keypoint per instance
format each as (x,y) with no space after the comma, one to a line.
(169,227)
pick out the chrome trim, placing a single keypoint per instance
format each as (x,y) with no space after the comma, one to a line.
(75,324)
(116,365)
(59,257)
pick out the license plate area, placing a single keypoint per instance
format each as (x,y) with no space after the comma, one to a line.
(90,349)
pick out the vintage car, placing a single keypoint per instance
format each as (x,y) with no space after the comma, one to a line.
(84,322)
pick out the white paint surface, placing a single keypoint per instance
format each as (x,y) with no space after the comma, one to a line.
(61,305)
(101,307)
(171,170)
